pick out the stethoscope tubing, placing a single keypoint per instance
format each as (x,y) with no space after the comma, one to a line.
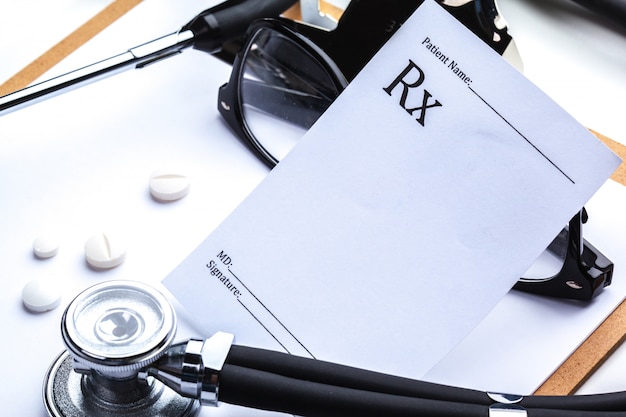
(333,374)
(267,391)
(613,10)
(277,381)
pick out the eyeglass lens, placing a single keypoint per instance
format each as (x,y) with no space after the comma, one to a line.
(284,89)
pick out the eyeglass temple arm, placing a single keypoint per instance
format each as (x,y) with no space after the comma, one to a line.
(207,32)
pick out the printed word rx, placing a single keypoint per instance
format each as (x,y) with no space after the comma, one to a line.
(410,81)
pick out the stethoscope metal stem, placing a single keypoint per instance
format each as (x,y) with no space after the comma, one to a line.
(192,368)
(135,58)
(206,32)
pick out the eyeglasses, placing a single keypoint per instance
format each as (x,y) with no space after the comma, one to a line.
(280,85)
(287,74)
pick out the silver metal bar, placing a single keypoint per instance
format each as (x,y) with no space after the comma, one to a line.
(192,368)
(137,57)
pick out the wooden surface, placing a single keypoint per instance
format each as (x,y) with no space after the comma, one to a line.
(73,41)
(588,357)
(605,339)
(565,380)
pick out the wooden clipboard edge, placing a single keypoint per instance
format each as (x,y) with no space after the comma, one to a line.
(589,356)
(607,337)
(66,46)
(620,173)
(572,373)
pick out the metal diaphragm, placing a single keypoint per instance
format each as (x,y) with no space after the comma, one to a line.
(112,330)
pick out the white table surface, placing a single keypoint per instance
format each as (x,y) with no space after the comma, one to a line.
(574,58)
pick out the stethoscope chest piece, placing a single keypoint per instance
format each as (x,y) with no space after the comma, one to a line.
(70,394)
(112,331)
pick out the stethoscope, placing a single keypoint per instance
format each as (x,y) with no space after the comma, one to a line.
(121,360)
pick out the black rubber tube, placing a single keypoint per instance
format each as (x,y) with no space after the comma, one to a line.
(229,20)
(613,10)
(533,412)
(263,390)
(234,21)
(338,375)
(610,402)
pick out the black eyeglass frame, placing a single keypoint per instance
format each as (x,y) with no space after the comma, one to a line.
(584,272)
(364,27)
(229,100)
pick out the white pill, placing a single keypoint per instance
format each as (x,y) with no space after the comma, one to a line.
(168,185)
(41,295)
(45,247)
(104,251)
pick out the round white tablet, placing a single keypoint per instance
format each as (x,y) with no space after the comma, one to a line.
(41,295)
(105,251)
(45,247)
(168,185)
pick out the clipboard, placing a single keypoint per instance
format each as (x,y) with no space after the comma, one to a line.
(575,369)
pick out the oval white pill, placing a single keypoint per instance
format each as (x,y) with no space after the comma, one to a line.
(45,247)
(168,185)
(41,295)
(104,251)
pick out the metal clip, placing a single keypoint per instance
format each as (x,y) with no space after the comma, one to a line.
(505,406)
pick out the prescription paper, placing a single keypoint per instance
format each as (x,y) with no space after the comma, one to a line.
(404,215)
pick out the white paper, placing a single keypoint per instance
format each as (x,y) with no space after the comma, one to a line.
(384,238)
